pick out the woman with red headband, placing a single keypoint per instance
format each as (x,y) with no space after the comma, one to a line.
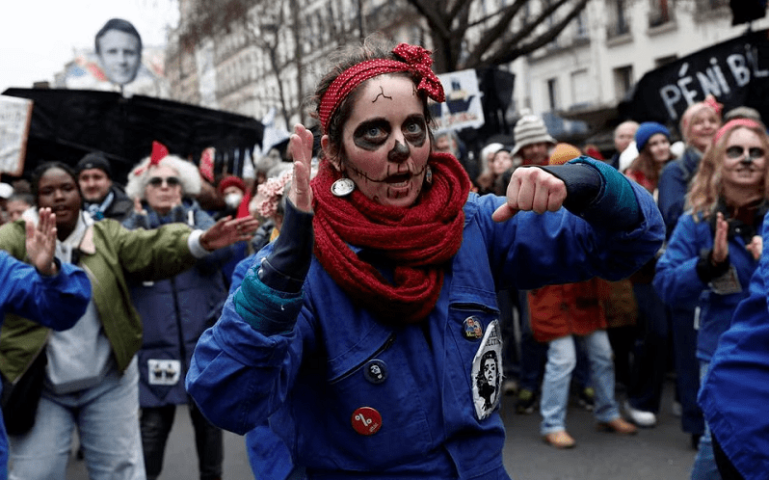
(716,245)
(360,332)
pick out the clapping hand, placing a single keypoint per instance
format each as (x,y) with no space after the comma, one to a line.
(756,246)
(226,232)
(531,189)
(41,242)
(720,243)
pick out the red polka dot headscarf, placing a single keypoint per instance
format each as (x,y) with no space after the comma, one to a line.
(415,60)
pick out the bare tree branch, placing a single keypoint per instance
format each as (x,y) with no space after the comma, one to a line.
(509,36)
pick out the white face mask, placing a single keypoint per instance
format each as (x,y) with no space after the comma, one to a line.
(233,199)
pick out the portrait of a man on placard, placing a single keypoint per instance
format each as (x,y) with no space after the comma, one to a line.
(119,49)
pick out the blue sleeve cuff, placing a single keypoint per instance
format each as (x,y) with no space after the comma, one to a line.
(616,204)
(269,311)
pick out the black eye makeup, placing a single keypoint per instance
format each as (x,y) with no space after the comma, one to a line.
(737,151)
(370,134)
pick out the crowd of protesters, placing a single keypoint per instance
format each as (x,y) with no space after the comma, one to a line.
(313,283)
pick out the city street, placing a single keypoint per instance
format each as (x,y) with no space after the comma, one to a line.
(660,453)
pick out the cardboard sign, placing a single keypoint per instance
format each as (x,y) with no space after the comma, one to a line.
(462,108)
(15,115)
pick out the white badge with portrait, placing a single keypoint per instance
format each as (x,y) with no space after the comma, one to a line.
(487,372)
(164,372)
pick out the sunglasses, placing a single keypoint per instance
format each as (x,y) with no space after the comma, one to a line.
(170,181)
(752,153)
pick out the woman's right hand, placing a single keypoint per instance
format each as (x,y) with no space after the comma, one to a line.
(300,146)
(138,207)
(720,242)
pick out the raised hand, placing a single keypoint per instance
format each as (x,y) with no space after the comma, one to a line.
(300,146)
(41,242)
(138,207)
(720,243)
(756,246)
(531,189)
(226,231)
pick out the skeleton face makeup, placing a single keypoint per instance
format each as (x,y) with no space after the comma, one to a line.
(386,143)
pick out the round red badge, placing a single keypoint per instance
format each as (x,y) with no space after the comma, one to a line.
(366,421)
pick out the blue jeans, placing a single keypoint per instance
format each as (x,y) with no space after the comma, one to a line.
(561,360)
(107,419)
(705,467)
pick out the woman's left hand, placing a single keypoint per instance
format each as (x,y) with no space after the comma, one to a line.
(756,246)
(226,232)
(531,189)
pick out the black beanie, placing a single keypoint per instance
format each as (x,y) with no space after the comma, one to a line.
(94,160)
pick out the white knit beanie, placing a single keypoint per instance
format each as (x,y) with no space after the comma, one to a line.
(530,129)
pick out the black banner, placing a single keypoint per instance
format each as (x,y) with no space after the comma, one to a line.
(67,124)
(736,72)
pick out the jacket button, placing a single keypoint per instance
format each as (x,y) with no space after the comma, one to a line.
(375,371)
(366,421)
(472,328)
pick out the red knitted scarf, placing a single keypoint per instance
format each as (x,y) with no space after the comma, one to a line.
(416,241)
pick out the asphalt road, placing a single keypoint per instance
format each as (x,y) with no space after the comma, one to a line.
(660,453)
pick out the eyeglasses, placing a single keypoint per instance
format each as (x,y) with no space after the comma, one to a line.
(738,151)
(170,181)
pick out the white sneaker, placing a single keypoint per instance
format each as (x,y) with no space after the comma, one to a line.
(639,417)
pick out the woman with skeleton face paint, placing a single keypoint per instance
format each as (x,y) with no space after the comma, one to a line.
(716,245)
(387,263)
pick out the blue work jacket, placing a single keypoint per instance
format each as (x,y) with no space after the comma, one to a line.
(735,390)
(678,284)
(56,302)
(315,382)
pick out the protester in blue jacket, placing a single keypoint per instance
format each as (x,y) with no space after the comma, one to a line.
(360,331)
(715,246)
(698,124)
(735,390)
(49,292)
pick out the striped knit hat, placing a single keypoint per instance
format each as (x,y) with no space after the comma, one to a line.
(530,129)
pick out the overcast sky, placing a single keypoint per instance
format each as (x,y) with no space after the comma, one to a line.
(37,37)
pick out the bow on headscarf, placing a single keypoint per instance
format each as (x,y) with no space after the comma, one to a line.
(415,60)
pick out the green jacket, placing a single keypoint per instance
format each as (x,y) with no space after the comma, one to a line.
(109,254)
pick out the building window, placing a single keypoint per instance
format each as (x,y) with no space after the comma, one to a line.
(552,94)
(659,14)
(581,89)
(581,23)
(618,23)
(665,60)
(623,81)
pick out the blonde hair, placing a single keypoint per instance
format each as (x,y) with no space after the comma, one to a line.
(707,184)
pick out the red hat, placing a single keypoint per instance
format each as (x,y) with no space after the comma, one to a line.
(231,181)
